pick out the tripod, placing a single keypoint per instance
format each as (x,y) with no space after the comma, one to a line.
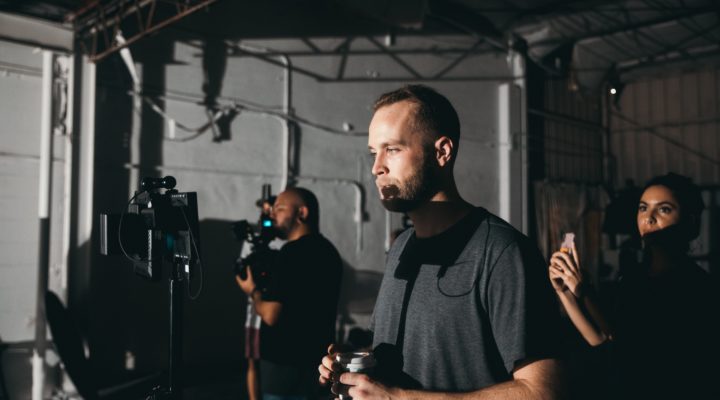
(180,269)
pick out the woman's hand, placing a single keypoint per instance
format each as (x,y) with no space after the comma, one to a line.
(565,272)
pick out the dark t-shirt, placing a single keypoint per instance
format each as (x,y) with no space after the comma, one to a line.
(667,338)
(306,280)
(480,304)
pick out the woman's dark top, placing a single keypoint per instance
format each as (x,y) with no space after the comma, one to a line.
(666,335)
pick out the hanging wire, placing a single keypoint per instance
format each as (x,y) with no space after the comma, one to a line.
(199,261)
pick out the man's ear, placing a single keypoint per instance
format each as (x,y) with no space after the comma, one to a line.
(444,150)
(303,213)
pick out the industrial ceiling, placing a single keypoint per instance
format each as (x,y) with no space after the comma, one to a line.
(590,41)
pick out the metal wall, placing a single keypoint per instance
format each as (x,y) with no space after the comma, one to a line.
(668,124)
(566,133)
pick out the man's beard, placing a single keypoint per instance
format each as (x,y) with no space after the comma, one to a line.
(282,231)
(281,234)
(418,189)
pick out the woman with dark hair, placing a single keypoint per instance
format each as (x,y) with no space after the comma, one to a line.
(662,332)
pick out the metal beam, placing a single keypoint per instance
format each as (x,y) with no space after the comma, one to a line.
(605,40)
(458,60)
(97,27)
(698,53)
(673,124)
(310,44)
(697,28)
(654,132)
(343,49)
(647,36)
(473,50)
(622,28)
(36,33)
(395,57)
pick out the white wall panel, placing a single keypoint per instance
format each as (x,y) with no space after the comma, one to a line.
(20,93)
(19,149)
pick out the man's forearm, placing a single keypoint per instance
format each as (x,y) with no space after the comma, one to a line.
(515,389)
(538,380)
(269,311)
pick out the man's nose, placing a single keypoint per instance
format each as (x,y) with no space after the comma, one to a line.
(378,167)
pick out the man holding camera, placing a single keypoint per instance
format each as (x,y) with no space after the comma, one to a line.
(464,309)
(298,305)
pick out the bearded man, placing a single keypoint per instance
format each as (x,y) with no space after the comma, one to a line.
(464,308)
(298,307)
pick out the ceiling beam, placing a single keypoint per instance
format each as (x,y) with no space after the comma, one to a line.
(697,53)
(620,28)
(35,32)
(97,26)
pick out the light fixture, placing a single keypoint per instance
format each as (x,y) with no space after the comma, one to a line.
(615,87)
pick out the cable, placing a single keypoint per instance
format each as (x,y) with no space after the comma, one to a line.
(237,107)
(301,121)
(122,215)
(199,262)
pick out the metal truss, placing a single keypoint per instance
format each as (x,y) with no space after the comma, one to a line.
(409,70)
(629,31)
(97,26)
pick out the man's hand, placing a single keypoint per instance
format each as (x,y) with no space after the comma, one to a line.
(247,285)
(362,387)
(329,369)
(357,386)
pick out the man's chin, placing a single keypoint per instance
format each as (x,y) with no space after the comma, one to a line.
(399,205)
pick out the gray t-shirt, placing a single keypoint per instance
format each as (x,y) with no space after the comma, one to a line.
(481,303)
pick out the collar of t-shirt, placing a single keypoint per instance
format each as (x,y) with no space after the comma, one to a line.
(442,249)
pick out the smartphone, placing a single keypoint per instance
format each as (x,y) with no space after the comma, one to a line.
(567,242)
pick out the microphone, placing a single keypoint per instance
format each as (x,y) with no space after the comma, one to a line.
(167,182)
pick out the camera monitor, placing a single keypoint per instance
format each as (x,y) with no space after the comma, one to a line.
(155,227)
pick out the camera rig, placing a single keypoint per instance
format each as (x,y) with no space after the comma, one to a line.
(160,225)
(261,258)
(156,227)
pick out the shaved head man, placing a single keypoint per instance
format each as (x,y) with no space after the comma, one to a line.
(299,306)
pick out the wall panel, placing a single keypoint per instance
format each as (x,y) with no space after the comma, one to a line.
(20,94)
(572,134)
(668,124)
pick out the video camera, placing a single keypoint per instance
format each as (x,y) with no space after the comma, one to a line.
(262,258)
(156,226)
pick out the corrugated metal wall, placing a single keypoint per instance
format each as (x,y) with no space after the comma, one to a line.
(668,124)
(571,142)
